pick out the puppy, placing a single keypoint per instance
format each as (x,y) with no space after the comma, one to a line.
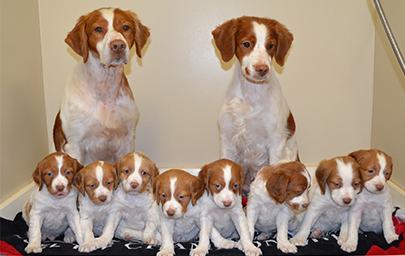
(373,210)
(98,113)
(51,209)
(132,205)
(338,183)
(278,192)
(221,212)
(256,125)
(96,184)
(177,193)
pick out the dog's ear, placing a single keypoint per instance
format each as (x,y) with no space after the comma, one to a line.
(37,175)
(78,181)
(116,177)
(224,37)
(155,189)
(359,155)
(241,177)
(77,38)
(154,171)
(277,186)
(322,174)
(205,175)
(141,33)
(197,189)
(284,41)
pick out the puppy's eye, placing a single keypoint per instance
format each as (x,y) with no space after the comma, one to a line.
(108,183)
(246,44)
(387,174)
(235,186)
(126,28)
(370,171)
(49,174)
(127,171)
(163,195)
(299,192)
(356,184)
(218,186)
(271,46)
(143,173)
(68,172)
(98,29)
(92,185)
(180,197)
(338,185)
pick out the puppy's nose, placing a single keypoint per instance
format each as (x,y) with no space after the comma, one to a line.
(379,187)
(227,203)
(171,212)
(60,188)
(117,46)
(102,198)
(305,206)
(347,200)
(134,185)
(262,69)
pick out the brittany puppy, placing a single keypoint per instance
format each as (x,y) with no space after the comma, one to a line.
(177,193)
(276,195)
(96,184)
(373,210)
(52,209)
(256,125)
(338,183)
(98,113)
(221,214)
(133,200)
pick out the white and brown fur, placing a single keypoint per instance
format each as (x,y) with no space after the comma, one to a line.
(256,125)
(98,113)
(52,209)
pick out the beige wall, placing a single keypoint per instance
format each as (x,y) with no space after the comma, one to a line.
(389,91)
(23,132)
(180,82)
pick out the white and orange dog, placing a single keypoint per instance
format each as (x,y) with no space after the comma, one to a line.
(373,210)
(221,213)
(177,193)
(132,212)
(256,125)
(338,184)
(278,193)
(98,113)
(52,209)
(96,184)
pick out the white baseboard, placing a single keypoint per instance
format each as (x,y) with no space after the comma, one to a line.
(15,204)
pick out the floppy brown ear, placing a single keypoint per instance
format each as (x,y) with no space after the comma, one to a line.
(284,41)
(277,186)
(224,37)
(155,189)
(78,182)
(358,155)
(154,170)
(77,38)
(197,189)
(242,178)
(322,174)
(141,33)
(205,175)
(116,177)
(37,175)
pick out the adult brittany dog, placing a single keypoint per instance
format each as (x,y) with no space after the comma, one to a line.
(256,126)
(98,113)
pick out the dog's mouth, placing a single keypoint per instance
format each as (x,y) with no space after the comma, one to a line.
(60,194)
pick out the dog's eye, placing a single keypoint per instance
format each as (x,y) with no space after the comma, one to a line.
(235,186)
(338,185)
(68,172)
(387,174)
(108,183)
(127,171)
(180,197)
(98,29)
(163,195)
(143,173)
(92,185)
(370,171)
(126,28)
(218,186)
(299,192)
(49,174)
(271,46)
(246,44)
(356,184)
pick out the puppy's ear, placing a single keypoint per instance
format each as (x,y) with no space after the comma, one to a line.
(390,165)
(78,181)
(77,38)
(224,37)
(155,189)
(116,177)
(358,155)
(154,171)
(205,175)
(141,33)
(322,174)
(37,175)
(197,189)
(241,177)
(284,41)
(277,186)
(118,166)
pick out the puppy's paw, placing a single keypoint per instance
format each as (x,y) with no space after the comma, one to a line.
(391,238)
(88,246)
(317,233)
(199,251)
(299,241)
(263,236)
(225,244)
(287,247)
(35,248)
(252,250)
(102,242)
(349,246)
(165,252)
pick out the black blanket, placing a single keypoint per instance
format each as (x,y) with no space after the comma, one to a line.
(13,240)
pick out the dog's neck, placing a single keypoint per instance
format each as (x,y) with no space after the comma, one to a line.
(106,82)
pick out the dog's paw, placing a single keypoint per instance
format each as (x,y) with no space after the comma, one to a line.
(252,250)
(225,244)
(349,246)
(263,236)
(391,238)
(166,252)
(102,242)
(88,246)
(35,248)
(299,241)
(198,251)
(287,247)
(69,237)
(317,233)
